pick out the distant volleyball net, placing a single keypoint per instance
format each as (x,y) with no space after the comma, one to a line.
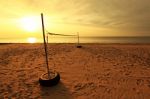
(66,35)
(59,34)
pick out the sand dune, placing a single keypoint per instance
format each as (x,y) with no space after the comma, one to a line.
(96,71)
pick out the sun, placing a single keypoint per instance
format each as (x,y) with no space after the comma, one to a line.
(30,24)
(32,40)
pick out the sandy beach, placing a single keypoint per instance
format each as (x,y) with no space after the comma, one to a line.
(95,71)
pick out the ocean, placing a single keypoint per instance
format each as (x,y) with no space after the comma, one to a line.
(54,39)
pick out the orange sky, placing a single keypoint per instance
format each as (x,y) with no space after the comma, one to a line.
(88,17)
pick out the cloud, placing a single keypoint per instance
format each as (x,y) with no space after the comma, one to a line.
(132,15)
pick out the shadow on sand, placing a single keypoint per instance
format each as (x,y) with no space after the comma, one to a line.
(56,92)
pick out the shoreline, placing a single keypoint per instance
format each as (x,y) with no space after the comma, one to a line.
(82,43)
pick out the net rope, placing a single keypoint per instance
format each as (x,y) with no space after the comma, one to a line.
(59,34)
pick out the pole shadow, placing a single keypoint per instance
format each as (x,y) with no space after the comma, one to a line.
(56,92)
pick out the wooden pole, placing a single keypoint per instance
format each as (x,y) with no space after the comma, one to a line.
(45,46)
(47,38)
(78,37)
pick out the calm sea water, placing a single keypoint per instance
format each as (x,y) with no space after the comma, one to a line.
(82,40)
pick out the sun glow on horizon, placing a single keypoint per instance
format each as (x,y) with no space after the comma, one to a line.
(32,40)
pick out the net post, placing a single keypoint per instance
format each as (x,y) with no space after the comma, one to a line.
(45,46)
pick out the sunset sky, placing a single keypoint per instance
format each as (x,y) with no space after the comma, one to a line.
(21,18)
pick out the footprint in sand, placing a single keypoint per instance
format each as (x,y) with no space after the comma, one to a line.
(107,90)
(81,86)
(139,82)
(122,81)
(148,83)
(104,81)
(127,73)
